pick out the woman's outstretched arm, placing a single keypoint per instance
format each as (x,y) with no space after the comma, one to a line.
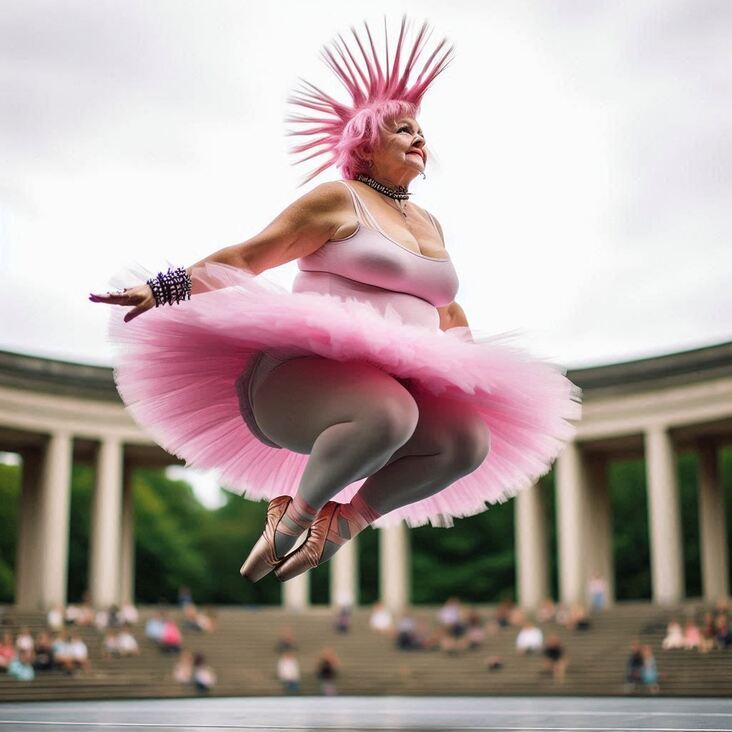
(302,228)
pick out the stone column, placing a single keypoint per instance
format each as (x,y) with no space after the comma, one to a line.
(532,565)
(53,521)
(599,525)
(712,525)
(27,555)
(667,568)
(127,539)
(106,514)
(344,575)
(394,567)
(571,482)
(296,593)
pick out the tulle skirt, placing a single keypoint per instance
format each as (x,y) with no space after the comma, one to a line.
(184,371)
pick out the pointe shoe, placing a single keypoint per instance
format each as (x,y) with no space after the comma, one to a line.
(310,552)
(263,558)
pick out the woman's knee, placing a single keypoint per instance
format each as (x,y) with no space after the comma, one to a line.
(470,444)
(393,418)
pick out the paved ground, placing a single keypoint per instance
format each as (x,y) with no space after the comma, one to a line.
(350,714)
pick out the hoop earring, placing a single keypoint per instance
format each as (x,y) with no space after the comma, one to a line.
(424,175)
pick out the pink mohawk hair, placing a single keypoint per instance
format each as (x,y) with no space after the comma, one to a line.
(377,89)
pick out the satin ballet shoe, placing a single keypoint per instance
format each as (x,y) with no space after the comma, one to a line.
(263,558)
(356,516)
(310,552)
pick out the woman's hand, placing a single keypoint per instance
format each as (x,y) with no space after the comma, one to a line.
(140,298)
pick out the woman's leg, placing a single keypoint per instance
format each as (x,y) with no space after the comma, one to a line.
(451,440)
(349,417)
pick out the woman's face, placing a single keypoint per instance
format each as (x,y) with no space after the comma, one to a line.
(401,154)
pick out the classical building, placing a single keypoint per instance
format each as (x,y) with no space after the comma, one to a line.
(53,413)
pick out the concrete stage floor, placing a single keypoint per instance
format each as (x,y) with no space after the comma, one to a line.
(349,714)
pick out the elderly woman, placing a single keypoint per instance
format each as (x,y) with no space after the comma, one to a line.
(361,395)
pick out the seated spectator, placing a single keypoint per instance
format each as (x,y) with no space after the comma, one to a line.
(183,669)
(649,672)
(451,617)
(110,645)
(692,636)
(128,615)
(722,637)
(633,666)
(503,613)
(288,672)
(286,640)
(381,620)
(475,635)
(598,591)
(63,658)
(154,627)
(7,650)
(21,667)
(184,595)
(406,634)
(79,653)
(24,641)
(530,639)
(579,619)
(207,620)
(556,658)
(126,643)
(194,619)
(343,620)
(190,617)
(547,611)
(517,617)
(204,678)
(172,639)
(55,618)
(43,652)
(494,663)
(707,633)
(674,637)
(326,671)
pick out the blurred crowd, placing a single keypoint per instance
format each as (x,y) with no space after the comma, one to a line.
(63,645)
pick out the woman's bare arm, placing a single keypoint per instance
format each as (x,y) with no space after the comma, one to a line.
(302,228)
(452,316)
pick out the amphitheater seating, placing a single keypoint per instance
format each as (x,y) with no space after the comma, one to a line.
(242,653)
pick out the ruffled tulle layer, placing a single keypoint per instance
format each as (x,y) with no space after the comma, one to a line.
(176,369)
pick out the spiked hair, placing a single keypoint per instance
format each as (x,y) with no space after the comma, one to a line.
(379,91)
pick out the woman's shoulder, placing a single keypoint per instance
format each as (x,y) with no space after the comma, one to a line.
(327,194)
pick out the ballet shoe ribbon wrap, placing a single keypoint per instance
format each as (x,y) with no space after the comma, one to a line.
(176,367)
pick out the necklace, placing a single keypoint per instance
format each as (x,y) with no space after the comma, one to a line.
(399,193)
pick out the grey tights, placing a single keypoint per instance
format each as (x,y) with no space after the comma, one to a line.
(357,421)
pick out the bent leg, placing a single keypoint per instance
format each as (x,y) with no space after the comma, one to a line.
(349,417)
(451,440)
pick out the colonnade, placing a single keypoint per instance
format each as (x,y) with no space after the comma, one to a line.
(652,408)
(584,531)
(43,532)
(584,525)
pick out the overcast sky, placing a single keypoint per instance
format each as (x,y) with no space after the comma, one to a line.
(581,167)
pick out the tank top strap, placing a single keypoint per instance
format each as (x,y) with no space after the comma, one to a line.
(363,215)
(437,228)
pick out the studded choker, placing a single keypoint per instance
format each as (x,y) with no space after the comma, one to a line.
(399,192)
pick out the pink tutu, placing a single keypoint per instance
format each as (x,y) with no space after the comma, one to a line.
(177,369)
